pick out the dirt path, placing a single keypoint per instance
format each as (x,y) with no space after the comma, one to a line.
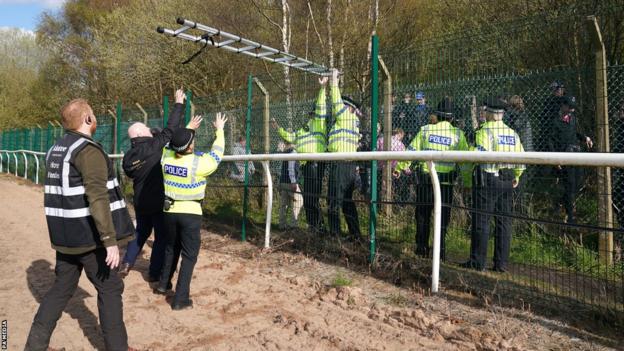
(245,300)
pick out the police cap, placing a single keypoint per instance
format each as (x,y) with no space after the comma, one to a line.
(445,108)
(495,104)
(181,139)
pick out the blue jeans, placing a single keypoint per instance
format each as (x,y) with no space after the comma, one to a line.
(144,226)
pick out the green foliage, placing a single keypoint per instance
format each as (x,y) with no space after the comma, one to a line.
(341,280)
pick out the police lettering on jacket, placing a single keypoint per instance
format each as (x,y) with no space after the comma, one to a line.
(176,171)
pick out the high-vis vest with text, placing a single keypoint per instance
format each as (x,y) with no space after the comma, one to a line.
(441,136)
(185,177)
(497,136)
(66,205)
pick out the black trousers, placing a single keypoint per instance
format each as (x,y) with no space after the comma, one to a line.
(424,208)
(312,184)
(110,307)
(618,195)
(183,238)
(342,179)
(571,179)
(492,195)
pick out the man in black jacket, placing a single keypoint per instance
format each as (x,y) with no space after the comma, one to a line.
(87,220)
(142,164)
(565,137)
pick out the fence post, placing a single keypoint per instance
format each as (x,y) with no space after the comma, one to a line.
(48,135)
(165,110)
(387,172)
(266,115)
(374,117)
(605,210)
(247,151)
(187,108)
(117,129)
(142,111)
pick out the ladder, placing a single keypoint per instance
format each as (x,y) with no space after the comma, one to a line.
(224,40)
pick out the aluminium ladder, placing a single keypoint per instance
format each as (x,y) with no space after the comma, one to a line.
(220,39)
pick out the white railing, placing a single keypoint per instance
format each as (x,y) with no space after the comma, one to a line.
(536,158)
(24,154)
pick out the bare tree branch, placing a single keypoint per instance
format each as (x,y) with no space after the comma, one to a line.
(314,25)
(265,15)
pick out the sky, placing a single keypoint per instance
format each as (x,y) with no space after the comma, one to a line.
(24,14)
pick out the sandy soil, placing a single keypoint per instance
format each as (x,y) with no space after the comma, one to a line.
(247,300)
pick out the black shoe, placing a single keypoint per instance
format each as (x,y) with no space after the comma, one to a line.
(472,265)
(499,269)
(159,290)
(124,269)
(422,251)
(178,306)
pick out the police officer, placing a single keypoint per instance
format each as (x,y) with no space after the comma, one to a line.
(441,136)
(184,173)
(87,221)
(344,136)
(564,137)
(311,139)
(494,184)
(142,164)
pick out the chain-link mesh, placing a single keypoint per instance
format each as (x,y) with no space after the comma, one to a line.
(554,247)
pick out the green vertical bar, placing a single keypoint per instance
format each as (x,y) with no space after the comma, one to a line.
(374,117)
(187,109)
(118,122)
(165,110)
(247,151)
(48,137)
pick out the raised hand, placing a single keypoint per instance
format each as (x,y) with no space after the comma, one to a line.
(219,121)
(274,124)
(195,122)
(335,74)
(323,80)
(179,96)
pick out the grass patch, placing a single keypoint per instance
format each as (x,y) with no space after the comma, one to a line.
(396,299)
(341,280)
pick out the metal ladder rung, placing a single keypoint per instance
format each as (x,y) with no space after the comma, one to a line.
(225,43)
(285,59)
(247,48)
(300,64)
(265,54)
(181,30)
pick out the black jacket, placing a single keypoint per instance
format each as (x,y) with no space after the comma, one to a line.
(142,164)
(564,133)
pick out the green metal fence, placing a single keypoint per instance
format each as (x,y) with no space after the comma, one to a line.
(551,258)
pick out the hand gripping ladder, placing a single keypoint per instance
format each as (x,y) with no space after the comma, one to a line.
(224,40)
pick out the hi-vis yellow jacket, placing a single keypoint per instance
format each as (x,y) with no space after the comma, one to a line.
(311,139)
(345,134)
(185,177)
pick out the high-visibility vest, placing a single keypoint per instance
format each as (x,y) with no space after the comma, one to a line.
(185,177)
(497,136)
(441,136)
(344,135)
(313,138)
(69,219)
